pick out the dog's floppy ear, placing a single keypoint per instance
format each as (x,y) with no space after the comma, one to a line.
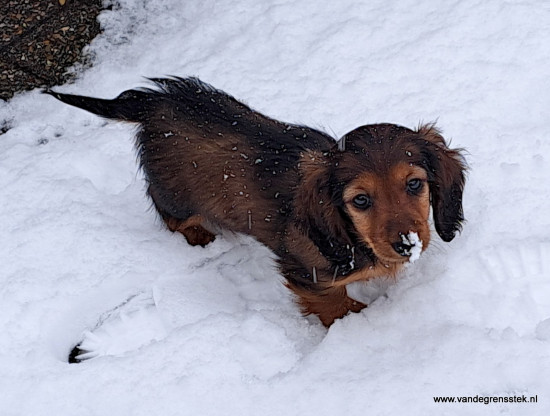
(316,213)
(446,168)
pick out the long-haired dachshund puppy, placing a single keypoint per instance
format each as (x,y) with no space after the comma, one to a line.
(333,212)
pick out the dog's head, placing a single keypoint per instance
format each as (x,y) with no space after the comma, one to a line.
(376,186)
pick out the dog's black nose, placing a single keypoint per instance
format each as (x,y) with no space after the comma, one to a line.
(401,248)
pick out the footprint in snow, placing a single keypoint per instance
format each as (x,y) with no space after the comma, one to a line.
(522,260)
(520,267)
(127,327)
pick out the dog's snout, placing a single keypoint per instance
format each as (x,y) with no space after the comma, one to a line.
(404,246)
(401,248)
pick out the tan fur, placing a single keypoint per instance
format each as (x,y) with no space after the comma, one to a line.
(328,305)
(393,212)
(192,229)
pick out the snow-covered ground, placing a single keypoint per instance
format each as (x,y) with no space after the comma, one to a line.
(182,330)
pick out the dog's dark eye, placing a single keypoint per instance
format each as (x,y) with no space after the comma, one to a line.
(362,201)
(414,185)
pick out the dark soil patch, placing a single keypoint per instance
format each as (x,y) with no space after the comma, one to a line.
(40,39)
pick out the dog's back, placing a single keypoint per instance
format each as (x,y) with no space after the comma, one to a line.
(205,153)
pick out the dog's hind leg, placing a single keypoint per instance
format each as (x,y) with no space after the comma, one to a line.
(186,223)
(191,228)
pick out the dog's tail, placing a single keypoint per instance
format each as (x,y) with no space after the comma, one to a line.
(131,105)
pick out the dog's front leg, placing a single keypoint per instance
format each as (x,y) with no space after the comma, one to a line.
(328,304)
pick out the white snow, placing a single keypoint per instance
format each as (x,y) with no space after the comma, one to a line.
(416,245)
(129,326)
(78,238)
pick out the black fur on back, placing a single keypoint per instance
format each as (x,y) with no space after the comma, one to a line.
(198,102)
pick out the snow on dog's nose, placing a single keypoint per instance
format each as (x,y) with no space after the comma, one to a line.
(410,245)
